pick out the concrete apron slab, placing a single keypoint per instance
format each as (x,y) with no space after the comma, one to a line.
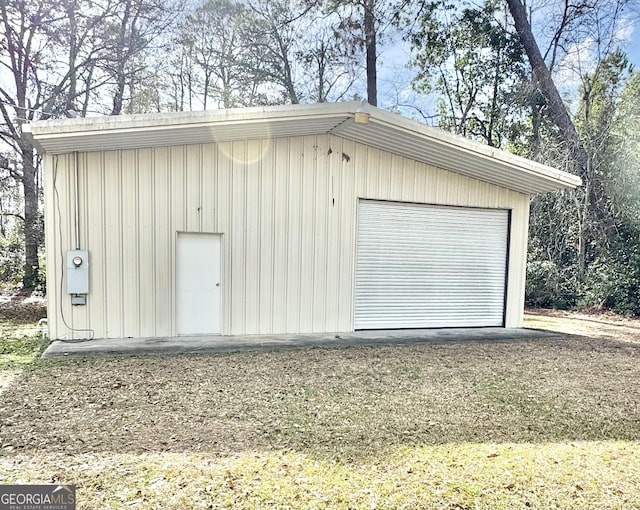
(200,344)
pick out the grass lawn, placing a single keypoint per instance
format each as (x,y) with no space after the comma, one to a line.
(548,423)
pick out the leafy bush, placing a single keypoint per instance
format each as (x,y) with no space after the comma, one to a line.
(614,283)
(550,286)
(12,258)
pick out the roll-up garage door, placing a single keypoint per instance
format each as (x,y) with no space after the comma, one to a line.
(424,266)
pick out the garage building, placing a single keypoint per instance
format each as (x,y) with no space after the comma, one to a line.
(289,219)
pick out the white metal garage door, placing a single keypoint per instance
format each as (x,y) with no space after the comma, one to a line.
(423,266)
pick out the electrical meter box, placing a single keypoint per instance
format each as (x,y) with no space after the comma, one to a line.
(78,272)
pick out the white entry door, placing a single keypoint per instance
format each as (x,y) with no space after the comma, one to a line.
(198,284)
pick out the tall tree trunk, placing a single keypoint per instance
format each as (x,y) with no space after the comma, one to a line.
(536,124)
(370,43)
(542,77)
(31,220)
(121,61)
(287,72)
(118,96)
(86,97)
(70,103)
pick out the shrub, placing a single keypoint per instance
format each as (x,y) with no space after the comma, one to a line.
(613,284)
(550,286)
(12,258)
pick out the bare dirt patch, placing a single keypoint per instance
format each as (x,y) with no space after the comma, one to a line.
(22,309)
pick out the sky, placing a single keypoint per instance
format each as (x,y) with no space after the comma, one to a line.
(394,78)
(633,46)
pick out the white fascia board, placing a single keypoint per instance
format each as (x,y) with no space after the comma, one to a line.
(473,149)
(175,120)
(130,131)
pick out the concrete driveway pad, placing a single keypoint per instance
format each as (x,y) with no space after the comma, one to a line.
(209,343)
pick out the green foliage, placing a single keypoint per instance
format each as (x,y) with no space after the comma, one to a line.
(550,285)
(220,38)
(22,344)
(585,244)
(12,257)
(471,59)
(613,281)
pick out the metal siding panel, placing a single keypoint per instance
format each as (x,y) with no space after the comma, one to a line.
(336,170)
(163,249)
(113,245)
(439,186)
(252,243)
(267,237)
(209,202)
(65,187)
(179,200)
(94,242)
(73,314)
(281,235)
(284,239)
(454,189)
(371,173)
(517,263)
(68,236)
(237,235)
(426,266)
(177,216)
(410,178)
(193,188)
(130,283)
(52,226)
(146,242)
(347,219)
(223,213)
(393,167)
(307,233)
(323,208)
(294,220)
(81,313)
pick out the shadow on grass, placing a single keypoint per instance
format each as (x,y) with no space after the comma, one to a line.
(331,403)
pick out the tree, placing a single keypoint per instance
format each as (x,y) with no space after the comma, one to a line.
(580,23)
(475,64)
(128,31)
(52,52)
(296,41)
(361,27)
(275,39)
(219,39)
(35,85)
(329,68)
(542,77)
(626,129)
(371,45)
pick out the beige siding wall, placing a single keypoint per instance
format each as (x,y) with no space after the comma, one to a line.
(286,211)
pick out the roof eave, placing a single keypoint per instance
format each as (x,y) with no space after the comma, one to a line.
(354,120)
(549,178)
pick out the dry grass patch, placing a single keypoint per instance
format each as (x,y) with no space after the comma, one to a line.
(601,325)
(538,424)
(460,476)
(20,345)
